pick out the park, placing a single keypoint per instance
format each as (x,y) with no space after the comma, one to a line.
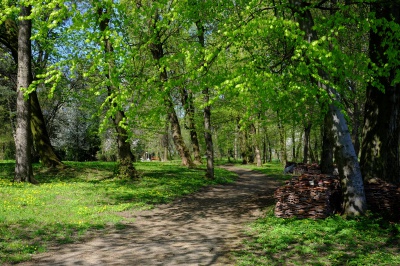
(169,132)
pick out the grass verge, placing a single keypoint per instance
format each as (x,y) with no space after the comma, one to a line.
(70,203)
(367,240)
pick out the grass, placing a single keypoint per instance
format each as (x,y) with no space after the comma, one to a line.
(367,240)
(69,204)
(332,241)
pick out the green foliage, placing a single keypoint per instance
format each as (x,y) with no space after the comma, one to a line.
(333,241)
(70,203)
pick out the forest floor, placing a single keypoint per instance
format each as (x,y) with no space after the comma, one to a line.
(204,228)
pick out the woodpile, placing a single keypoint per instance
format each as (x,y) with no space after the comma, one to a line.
(383,198)
(317,196)
(310,195)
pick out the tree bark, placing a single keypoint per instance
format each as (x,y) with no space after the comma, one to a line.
(380,149)
(349,170)
(293,144)
(282,140)
(208,136)
(41,138)
(307,134)
(187,103)
(327,145)
(23,143)
(165,142)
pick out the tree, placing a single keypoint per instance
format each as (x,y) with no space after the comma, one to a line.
(349,169)
(157,50)
(125,156)
(40,135)
(23,165)
(380,155)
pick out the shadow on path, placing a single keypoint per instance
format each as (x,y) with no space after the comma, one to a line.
(199,229)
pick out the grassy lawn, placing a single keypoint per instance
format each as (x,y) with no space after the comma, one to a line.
(69,204)
(334,241)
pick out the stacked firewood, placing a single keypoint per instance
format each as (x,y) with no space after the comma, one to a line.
(383,198)
(309,195)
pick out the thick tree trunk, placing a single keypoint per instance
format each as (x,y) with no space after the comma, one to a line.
(355,131)
(208,135)
(327,145)
(23,143)
(307,134)
(176,132)
(293,144)
(125,156)
(349,169)
(187,102)
(380,155)
(41,138)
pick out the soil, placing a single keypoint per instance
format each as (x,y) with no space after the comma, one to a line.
(204,228)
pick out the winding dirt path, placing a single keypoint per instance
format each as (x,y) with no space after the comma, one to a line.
(200,229)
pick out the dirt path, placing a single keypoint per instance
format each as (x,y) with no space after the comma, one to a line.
(200,229)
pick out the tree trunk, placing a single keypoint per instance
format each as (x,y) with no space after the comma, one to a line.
(293,144)
(355,131)
(208,136)
(23,143)
(380,154)
(257,152)
(307,133)
(41,138)
(176,131)
(187,103)
(125,156)
(349,169)
(165,142)
(282,139)
(327,145)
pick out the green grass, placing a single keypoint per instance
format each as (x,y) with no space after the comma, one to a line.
(70,203)
(368,240)
(333,241)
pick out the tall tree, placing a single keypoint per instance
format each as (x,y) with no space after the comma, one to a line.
(157,50)
(125,156)
(23,164)
(349,169)
(380,155)
(40,135)
(207,108)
